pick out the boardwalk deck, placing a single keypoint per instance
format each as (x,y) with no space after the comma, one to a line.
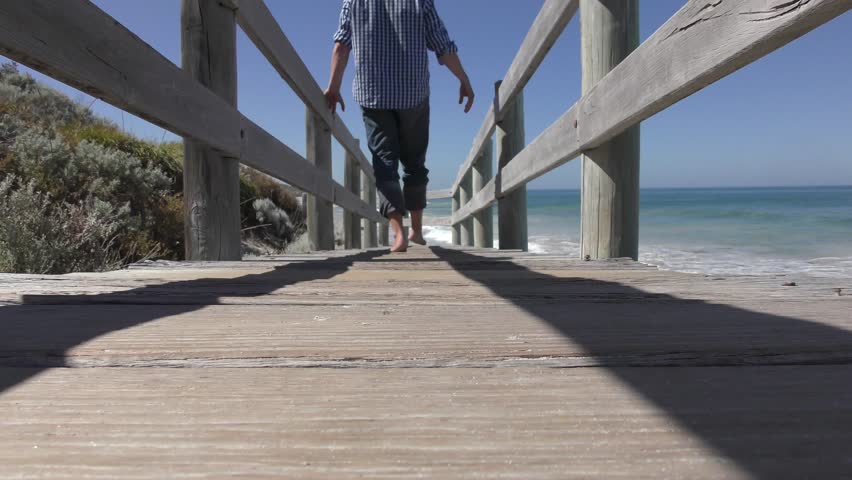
(431,364)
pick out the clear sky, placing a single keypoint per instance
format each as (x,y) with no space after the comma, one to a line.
(785,120)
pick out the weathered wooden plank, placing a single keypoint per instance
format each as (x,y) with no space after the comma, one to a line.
(610,180)
(456,224)
(512,208)
(153,423)
(77,43)
(369,237)
(439,194)
(642,330)
(320,212)
(480,201)
(277,160)
(342,375)
(549,24)
(466,225)
(701,44)
(353,203)
(384,234)
(351,221)
(211,183)
(261,27)
(483,222)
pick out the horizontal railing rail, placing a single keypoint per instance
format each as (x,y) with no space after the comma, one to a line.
(549,24)
(77,43)
(697,47)
(260,26)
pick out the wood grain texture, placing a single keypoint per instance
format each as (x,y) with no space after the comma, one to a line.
(384,234)
(320,212)
(457,219)
(437,423)
(211,183)
(437,363)
(369,236)
(480,201)
(260,26)
(466,225)
(512,208)
(701,44)
(546,29)
(483,222)
(351,221)
(610,173)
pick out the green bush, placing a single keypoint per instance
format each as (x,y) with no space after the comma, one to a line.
(79,194)
(40,236)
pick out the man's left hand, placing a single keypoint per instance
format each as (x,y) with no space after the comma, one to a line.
(332,98)
(466,91)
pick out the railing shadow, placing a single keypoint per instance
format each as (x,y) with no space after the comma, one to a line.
(787,420)
(37,336)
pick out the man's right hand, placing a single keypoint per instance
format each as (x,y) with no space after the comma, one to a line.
(332,98)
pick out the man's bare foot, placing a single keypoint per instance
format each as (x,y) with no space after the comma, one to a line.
(400,245)
(417,238)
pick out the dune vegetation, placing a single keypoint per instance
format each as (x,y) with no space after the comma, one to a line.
(79,194)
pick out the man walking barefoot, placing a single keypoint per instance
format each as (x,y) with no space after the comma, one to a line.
(390,39)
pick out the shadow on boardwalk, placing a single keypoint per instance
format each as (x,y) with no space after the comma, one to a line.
(38,336)
(752,415)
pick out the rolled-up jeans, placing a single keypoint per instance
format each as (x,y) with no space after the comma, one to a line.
(394,137)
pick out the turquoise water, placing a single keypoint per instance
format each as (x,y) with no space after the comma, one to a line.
(721,230)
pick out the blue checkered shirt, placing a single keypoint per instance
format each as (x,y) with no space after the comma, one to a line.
(389,39)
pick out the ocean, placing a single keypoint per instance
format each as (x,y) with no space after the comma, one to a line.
(750,231)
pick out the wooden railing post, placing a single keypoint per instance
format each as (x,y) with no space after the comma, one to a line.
(351,221)
(369,239)
(320,215)
(512,209)
(483,222)
(610,192)
(384,235)
(466,226)
(211,180)
(456,226)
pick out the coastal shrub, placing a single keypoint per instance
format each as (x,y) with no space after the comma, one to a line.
(277,219)
(40,236)
(80,194)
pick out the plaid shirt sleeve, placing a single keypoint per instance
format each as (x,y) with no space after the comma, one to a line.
(344,32)
(437,38)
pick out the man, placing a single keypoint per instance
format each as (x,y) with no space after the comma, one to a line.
(390,39)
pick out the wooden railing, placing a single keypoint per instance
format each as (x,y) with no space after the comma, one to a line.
(702,43)
(77,43)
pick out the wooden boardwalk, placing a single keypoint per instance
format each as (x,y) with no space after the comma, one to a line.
(432,364)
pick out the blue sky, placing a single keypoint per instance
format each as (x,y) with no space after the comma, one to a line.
(785,120)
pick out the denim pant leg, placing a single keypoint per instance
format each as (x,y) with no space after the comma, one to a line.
(383,142)
(414,141)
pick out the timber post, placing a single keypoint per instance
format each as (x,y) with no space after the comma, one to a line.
(483,221)
(320,214)
(369,238)
(351,221)
(610,191)
(466,225)
(512,208)
(211,179)
(456,226)
(384,235)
